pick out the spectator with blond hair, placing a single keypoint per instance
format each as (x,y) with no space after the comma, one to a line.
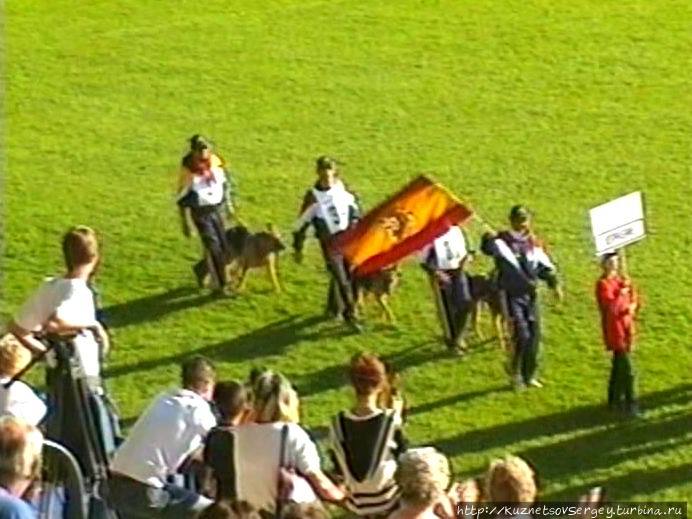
(272,449)
(17,398)
(20,464)
(510,480)
(423,476)
(366,440)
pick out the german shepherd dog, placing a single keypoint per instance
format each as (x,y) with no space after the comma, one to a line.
(485,291)
(378,286)
(247,251)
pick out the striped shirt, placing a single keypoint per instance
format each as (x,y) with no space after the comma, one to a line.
(365,450)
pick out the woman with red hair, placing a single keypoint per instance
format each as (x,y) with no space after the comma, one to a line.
(367,439)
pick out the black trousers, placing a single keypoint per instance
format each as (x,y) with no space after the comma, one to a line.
(341,294)
(454,298)
(522,312)
(211,228)
(621,383)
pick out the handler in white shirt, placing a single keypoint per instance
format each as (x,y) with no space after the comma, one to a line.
(17,399)
(166,434)
(444,261)
(65,306)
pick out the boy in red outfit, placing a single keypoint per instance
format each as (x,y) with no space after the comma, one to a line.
(618,304)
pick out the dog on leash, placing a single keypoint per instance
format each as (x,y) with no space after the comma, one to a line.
(378,286)
(247,251)
(485,291)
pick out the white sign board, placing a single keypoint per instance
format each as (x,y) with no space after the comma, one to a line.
(618,223)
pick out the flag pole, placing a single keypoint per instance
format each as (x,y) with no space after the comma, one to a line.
(477,217)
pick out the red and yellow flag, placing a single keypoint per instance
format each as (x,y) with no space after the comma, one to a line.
(401,225)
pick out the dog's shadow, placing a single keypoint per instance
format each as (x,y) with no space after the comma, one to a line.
(267,341)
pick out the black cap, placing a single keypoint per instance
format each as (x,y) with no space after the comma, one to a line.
(324,162)
(519,213)
(606,256)
(198,143)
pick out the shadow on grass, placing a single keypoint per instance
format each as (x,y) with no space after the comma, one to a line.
(616,440)
(609,447)
(269,340)
(336,376)
(153,307)
(625,487)
(575,419)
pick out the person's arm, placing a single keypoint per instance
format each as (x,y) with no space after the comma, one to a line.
(184,214)
(307,462)
(547,272)
(182,198)
(325,488)
(307,213)
(489,245)
(27,338)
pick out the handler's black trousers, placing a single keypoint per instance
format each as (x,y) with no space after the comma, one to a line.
(522,312)
(621,384)
(210,225)
(455,305)
(341,296)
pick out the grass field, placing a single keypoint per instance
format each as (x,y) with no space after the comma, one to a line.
(558,105)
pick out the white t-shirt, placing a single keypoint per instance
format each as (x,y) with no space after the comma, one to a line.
(20,401)
(171,428)
(72,301)
(257,455)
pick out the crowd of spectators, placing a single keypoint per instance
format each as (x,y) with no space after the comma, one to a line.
(243,446)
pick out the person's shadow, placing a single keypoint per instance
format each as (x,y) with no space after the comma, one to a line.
(269,340)
(153,307)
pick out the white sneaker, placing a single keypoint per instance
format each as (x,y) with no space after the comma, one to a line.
(534,382)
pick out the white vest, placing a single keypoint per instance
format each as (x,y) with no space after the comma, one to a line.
(334,207)
(209,192)
(450,249)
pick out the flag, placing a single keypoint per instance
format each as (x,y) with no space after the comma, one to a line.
(401,225)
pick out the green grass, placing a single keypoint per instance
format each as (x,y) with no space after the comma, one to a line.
(559,105)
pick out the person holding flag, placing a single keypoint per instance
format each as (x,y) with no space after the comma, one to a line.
(618,303)
(444,260)
(521,262)
(203,198)
(331,209)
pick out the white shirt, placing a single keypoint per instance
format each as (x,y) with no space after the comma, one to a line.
(210,191)
(72,301)
(171,428)
(450,249)
(332,206)
(257,460)
(20,401)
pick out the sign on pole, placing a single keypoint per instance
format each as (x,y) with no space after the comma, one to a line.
(618,223)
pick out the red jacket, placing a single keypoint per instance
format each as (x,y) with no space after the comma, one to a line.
(617,318)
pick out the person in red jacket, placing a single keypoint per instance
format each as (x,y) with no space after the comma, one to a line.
(618,303)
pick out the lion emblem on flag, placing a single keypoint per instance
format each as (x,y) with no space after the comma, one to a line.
(398,226)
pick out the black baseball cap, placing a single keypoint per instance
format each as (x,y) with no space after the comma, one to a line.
(519,213)
(325,162)
(198,143)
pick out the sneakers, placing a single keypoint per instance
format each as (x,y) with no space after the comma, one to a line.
(534,382)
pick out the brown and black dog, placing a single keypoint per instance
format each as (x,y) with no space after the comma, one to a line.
(485,291)
(378,286)
(247,251)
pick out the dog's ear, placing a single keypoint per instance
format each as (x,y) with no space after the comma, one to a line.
(271,229)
